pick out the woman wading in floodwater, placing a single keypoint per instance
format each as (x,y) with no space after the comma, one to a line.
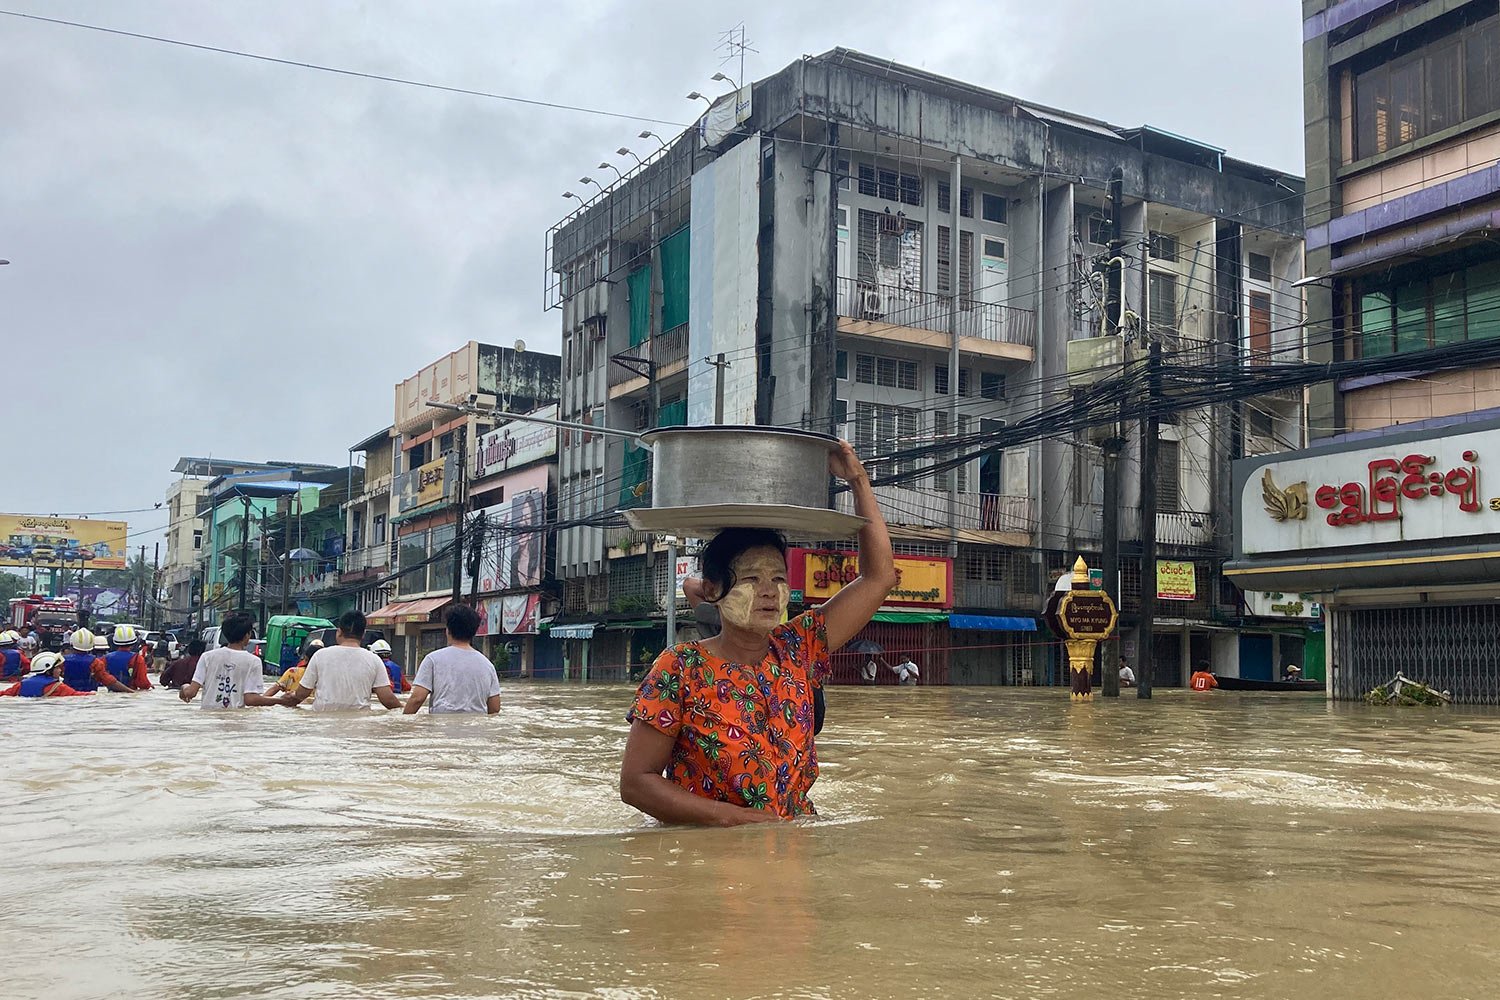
(730,719)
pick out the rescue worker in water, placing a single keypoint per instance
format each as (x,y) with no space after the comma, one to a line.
(14,663)
(43,682)
(126,662)
(82,670)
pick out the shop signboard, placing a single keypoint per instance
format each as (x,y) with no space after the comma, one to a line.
(513,614)
(1274,604)
(515,444)
(1176,581)
(1409,488)
(510,554)
(926,582)
(33,540)
(426,484)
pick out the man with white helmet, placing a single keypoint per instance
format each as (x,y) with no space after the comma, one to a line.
(399,683)
(14,663)
(126,661)
(82,670)
(43,682)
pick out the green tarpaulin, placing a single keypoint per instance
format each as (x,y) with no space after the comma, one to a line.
(674,280)
(638,289)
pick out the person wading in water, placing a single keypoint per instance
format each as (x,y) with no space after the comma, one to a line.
(721,730)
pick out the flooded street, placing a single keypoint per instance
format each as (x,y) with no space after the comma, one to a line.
(972,843)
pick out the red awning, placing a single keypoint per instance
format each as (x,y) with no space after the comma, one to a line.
(398,612)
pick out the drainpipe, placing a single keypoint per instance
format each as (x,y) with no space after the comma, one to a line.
(955,282)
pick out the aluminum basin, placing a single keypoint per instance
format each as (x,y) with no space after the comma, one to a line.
(696,466)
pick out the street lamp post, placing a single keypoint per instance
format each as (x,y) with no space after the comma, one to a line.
(627,151)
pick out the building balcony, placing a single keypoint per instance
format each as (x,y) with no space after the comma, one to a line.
(1188,528)
(979,517)
(667,351)
(890,312)
(371,557)
(992,595)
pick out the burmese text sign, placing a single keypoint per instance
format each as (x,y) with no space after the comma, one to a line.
(32,540)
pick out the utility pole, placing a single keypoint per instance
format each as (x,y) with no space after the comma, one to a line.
(260,575)
(1150,428)
(1112,446)
(458,506)
(156,587)
(956,281)
(141,589)
(286,550)
(244,552)
(671,591)
(719,364)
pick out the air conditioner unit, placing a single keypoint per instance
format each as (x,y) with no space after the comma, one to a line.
(871,303)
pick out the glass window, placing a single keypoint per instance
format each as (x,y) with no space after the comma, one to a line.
(1098,230)
(1406,103)
(1448,309)
(841,364)
(1163,246)
(1168,471)
(412,555)
(1259,266)
(945,196)
(867,180)
(440,570)
(1163,291)
(992,208)
(1375,324)
(1444,81)
(1411,316)
(1482,282)
(992,385)
(864,368)
(843,176)
(1482,68)
(940,380)
(841,411)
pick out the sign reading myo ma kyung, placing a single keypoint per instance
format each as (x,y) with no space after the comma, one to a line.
(1402,488)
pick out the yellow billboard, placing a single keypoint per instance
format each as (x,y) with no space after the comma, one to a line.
(33,540)
(1176,581)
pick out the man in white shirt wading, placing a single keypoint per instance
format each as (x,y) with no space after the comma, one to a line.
(344,675)
(229,675)
(459,678)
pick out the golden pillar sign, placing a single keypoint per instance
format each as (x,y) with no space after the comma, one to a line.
(1084,618)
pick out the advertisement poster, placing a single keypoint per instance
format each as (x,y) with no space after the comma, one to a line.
(30,540)
(515,614)
(1176,581)
(511,559)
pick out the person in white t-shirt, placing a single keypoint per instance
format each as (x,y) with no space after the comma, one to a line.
(459,678)
(229,675)
(344,675)
(906,672)
(1127,676)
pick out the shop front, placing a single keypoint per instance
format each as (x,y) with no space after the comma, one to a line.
(1397,541)
(913,622)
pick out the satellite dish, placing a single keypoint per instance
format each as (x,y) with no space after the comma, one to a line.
(520,347)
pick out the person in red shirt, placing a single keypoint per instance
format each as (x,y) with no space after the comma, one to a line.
(14,663)
(126,661)
(1202,680)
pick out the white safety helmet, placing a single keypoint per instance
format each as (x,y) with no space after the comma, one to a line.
(125,635)
(43,663)
(9,638)
(82,640)
(380,646)
(101,644)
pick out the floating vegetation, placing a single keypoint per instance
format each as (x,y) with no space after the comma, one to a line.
(1402,690)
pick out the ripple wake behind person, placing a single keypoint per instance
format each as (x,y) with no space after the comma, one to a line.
(721,731)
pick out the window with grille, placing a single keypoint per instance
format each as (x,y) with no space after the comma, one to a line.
(892,373)
(890,250)
(963,381)
(965,200)
(843,175)
(1088,475)
(991,385)
(966,269)
(890,185)
(940,380)
(1163,313)
(1168,477)
(1163,246)
(886,428)
(940,427)
(944,259)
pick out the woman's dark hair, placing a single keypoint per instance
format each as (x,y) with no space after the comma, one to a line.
(197,647)
(715,559)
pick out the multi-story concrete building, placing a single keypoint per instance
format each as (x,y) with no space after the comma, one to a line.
(862,248)
(1390,531)
(369,554)
(187,527)
(432,453)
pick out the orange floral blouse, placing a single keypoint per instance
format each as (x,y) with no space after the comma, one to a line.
(744,734)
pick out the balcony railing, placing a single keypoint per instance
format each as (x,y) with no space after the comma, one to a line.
(893,306)
(1183,527)
(927,508)
(662,350)
(370,557)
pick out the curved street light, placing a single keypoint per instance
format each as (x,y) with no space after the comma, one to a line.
(606,165)
(648,134)
(626,151)
(590,180)
(721,78)
(570,194)
(695,96)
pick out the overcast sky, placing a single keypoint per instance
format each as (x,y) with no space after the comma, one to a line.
(217,256)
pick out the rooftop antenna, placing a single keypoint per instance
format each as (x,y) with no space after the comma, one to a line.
(734,45)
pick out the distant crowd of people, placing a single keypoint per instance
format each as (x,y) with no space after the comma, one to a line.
(341,677)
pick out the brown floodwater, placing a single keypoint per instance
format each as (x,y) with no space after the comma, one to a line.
(972,842)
